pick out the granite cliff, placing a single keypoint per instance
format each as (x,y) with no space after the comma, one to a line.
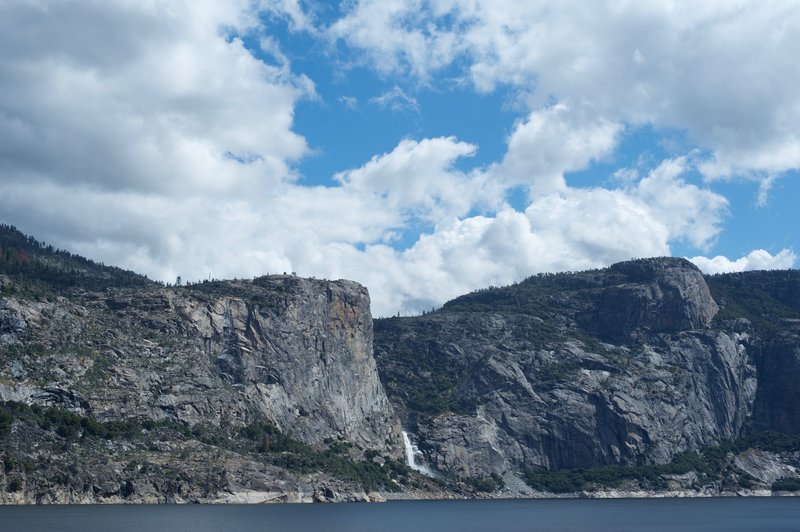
(631,365)
(646,376)
(296,352)
(291,355)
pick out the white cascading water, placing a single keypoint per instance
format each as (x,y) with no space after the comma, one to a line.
(411,457)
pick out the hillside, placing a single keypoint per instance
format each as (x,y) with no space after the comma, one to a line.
(640,378)
(633,365)
(34,265)
(137,391)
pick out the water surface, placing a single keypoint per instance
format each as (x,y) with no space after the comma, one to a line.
(618,515)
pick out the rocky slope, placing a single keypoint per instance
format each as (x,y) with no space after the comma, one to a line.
(630,365)
(297,352)
(292,353)
(645,377)
(778,399)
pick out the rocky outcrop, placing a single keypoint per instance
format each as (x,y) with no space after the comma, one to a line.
(617,366)
(574,406)
(766,467)
(267,390)
(778,401)
(296,352)
(650,296)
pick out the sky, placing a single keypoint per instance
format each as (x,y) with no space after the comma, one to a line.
(425,148)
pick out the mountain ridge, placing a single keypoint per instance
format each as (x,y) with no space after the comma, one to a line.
(623,347)
(280,388)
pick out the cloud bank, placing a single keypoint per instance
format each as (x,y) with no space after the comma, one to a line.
(755,260)
(722,71)
(148,135)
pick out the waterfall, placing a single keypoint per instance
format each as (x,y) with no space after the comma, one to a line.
(411,457)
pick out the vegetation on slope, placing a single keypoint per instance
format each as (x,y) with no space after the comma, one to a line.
(427,378)
(36,265)
(297,456)
(711,464)
(766,298)
(65,431)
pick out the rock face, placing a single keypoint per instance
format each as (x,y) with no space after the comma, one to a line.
(618,366)
(766,467)
(650,296)
(296,352)
(778,400)
(268,390)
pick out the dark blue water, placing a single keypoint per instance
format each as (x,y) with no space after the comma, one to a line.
(619,515)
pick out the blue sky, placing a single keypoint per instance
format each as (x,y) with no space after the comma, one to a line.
(425,148)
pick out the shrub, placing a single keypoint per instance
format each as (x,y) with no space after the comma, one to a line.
(5,422)
(786,484)
(488,484)
(15,485)
(286,452)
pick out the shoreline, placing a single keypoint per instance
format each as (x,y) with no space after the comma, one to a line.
(251,497)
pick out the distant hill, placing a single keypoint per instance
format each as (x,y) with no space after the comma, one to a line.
(24,258)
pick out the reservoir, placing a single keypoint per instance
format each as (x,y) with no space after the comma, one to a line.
(618,515)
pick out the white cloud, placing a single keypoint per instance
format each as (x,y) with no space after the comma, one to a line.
(572,229)
(689,212)
(552,141)
(593,227)
(725,72)
(146,135)
(396,100)
(350,102)
(419,179)
(147,97)
(397,34)
(758,259)
(291,10)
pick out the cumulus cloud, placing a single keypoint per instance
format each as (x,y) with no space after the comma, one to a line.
(567,229)
(147,135)
(169,151)
(397,34)
(724,72)
(690,213)
(149,97)
(551,142)
(141,102)
(419,178)
(573,229)
(758,259)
